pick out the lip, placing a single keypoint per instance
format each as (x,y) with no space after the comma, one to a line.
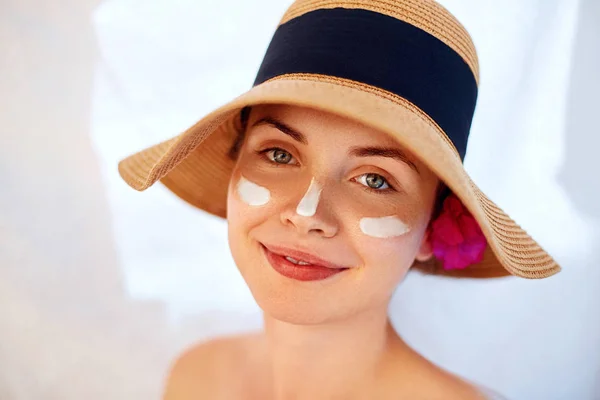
(301,255)
(318,270)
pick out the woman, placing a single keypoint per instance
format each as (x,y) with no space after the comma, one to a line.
(338,172)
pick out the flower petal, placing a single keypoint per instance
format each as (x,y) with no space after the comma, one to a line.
(469,227)
(474,250)
(456,236)
(446,229)
(453,205)
(453,259)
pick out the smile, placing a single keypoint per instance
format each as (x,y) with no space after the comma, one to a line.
(299,265)
(297,262)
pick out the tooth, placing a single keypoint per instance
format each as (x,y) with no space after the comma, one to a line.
(297,262)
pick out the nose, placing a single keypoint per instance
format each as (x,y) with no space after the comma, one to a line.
(310,215)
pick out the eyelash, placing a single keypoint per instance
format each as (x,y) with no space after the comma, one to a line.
(264,154)
(389,189)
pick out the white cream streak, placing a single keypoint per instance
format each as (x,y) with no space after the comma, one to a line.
(383,227)
(308,205)
(253,194)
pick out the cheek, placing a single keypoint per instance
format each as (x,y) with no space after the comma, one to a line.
(396,221)
(388,244)
(247,203)
(383,227)
(251,193)
(386,263)
(248,206)
(392,253)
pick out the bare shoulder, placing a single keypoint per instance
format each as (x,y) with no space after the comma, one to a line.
(445,385)
(206,369)
(418,378)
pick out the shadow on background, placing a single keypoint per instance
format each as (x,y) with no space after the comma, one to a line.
(580,174)
(67,329)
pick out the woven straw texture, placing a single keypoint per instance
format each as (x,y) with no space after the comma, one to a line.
(195,164)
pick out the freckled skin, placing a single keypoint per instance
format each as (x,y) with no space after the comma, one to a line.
(333,232)
(321,320)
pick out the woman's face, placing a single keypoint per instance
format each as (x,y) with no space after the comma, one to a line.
(328,192)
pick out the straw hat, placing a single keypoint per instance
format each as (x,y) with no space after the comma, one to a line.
(405,67)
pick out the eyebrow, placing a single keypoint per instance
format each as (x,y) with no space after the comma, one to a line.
(388,152)
(371,151)
(293,133)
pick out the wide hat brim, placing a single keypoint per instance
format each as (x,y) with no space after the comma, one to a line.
(194,164)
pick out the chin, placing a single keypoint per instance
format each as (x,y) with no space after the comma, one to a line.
(297,311)
(289,300)
(300,303)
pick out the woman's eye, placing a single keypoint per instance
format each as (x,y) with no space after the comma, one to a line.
(373,181)
(279,156)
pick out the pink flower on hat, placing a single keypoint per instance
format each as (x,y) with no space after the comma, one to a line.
(456,237)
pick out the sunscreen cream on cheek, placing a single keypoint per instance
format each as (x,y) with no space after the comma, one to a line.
(252,194)
(383,227)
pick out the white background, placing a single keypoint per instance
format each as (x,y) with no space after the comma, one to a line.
(101,286)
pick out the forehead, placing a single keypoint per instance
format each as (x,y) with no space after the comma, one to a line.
(311,122)
(324,131)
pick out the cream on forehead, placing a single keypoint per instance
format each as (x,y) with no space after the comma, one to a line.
(252,194)
(383,227)
(308,205)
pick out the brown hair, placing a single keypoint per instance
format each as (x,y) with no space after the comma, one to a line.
(234,150)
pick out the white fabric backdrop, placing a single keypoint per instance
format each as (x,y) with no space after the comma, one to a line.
(102,286)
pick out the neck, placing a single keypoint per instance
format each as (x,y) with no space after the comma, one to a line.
(332,360)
